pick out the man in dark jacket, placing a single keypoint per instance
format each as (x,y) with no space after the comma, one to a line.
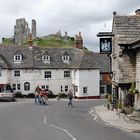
(70,97)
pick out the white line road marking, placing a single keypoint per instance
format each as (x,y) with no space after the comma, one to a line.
(45,120)
(66,131)
(93,114)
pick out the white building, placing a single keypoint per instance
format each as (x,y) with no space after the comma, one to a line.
(55,69)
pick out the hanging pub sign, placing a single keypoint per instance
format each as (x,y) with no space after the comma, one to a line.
(105,45)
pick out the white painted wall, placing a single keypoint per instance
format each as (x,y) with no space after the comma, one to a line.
(79,78)
(36,77)
(89,79)
(4,79)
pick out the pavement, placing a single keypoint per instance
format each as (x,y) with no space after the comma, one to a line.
(117,119)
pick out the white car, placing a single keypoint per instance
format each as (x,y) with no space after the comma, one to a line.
(7,95)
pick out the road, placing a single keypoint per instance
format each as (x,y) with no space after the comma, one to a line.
(56,121)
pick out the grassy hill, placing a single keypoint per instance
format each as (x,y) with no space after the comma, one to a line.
(53,42)
(48,42)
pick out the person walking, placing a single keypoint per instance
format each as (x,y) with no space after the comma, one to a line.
(70,97)
(37,90)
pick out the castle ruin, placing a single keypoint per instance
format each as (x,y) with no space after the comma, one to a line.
(22,31)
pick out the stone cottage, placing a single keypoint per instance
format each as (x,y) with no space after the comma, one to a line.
(126,53)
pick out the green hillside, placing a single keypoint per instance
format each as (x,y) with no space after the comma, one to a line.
(53,42)
(49,42)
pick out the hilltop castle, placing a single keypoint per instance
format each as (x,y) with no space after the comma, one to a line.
(22,31)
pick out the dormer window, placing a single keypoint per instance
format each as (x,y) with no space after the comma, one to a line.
(65,57)
(46,58)
(18,58)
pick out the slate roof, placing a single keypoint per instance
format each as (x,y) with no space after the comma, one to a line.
(126,28)
(32,58)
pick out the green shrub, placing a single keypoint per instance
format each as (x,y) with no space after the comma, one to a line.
(62,95)
(18,95)
(30,95)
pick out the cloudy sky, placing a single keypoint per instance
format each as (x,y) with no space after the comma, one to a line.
(72,16)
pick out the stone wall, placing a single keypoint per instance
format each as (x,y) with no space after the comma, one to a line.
(138,69)
(127,64)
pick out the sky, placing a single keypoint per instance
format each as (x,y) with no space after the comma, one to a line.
(72,16)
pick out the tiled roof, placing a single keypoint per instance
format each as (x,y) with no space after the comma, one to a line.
(126,28)
(32,58)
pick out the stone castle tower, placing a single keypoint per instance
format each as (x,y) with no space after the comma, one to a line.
(22,31)
(79,41)
(33,28)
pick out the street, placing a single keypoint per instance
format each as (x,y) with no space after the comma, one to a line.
(56,121)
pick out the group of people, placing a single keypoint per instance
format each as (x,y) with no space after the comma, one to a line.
(41,97)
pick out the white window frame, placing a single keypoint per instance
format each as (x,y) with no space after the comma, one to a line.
(18,58)
(76,88)
(46,58)
(17,73)
(85,90)
(16,87)
(67,74)
(65,58)
(26,86)
(66,88)
(45,87)
(47,74)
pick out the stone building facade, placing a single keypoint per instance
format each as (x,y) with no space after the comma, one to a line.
(125,53)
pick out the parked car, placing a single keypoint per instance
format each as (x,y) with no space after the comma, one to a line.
(6,93)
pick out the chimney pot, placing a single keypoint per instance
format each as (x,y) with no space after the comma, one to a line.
(114,13)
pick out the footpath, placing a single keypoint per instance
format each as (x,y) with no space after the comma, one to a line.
(117,119)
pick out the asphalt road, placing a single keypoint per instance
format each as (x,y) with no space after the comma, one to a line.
(56,121)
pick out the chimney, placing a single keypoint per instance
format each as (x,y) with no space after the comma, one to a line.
(30,41)
(137,12)
(79,41)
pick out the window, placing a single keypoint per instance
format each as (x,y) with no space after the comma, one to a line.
(66,73)
(18,57)
(16,73)
(61,89)
(47,74)
(46,87)
(16,86)
(46,57)
(85,90)
(76,88)
(66,57)
(66,88)
(26,86)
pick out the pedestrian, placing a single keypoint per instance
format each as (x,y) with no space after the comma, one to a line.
(37,90)
(70,97)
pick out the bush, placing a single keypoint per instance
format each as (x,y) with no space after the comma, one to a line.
(62,95)
(30,95)
(51,95)
(18,95)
